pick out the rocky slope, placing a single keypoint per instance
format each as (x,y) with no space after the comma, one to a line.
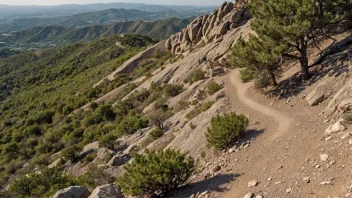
(297,144)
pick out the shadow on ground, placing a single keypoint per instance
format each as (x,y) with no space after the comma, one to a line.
(333,65)
(214,184)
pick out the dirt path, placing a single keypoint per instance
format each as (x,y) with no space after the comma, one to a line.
(284,122)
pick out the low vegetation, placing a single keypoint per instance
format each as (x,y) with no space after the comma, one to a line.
(156,172)
(225,130)
(213,87)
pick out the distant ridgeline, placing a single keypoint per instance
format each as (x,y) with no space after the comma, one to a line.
(59,35)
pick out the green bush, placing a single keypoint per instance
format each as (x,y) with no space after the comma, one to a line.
(193,113)
(348,116)
(198,75)
(108,141)
(206,106)
(34,130)
(42,184)
(156,133)
(72,152)
(213,87)
(192,126)
(172,90)
(158,117)
(89,158)
(246,75)
(156,172)
(226,129)
(131,124)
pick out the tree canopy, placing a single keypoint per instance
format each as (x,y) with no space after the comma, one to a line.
(287,28)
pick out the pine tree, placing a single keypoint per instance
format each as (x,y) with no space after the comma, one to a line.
(259,55)
(156,172)
(226,129)
(298,23)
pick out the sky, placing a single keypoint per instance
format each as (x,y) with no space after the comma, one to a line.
(59,2)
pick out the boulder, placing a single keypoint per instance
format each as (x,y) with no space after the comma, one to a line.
(106,191)
(249,195)
(224,28)
(319,94)
(345,105)
(217,71)
(335,128)
(73,192)
(119,160)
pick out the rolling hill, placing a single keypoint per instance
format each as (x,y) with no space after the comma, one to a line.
(60,35)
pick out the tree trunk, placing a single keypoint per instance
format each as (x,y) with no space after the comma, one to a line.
(304,59)
(273,78)
(305,68)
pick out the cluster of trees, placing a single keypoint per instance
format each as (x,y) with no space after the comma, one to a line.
(285,30)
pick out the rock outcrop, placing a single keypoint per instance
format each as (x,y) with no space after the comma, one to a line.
(208,28)
(106,191)
(73,192)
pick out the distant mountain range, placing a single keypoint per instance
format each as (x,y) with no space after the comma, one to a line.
(60,35)
(86,19)
(15,18)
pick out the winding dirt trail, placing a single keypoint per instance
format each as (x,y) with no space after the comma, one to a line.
(284,122)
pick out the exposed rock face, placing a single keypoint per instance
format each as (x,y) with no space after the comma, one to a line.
(73,192)
(106,191)
(208,28)
(119,159)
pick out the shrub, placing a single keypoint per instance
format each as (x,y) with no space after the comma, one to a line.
(193,113)
(156,172)
(44,184)
(198,75)
(156,133)
(226,129)
(206,106)
(95,176)
(213,87)
(192,126)
(172,90)
(158,117)
(108,141)
(348,116)
(34,130)
(131,124)
(89,158)
(72,152)
(246,75)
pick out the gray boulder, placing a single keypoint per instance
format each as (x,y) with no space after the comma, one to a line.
(73,192)
(106,191)
(119,159)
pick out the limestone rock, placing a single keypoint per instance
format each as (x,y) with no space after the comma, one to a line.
(106,191)
(119,160)
(337,127)
(319,94)
(324,157)
(249,195)
(216,168)
(73,192)
(207,28)
(252,183)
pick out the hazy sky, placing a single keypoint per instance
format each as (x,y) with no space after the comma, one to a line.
(58,2)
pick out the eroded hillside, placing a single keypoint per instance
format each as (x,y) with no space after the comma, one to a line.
(297,143)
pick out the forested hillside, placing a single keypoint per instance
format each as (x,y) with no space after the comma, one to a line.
(40,89)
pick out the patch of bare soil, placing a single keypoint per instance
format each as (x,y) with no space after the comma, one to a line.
(287,141)
(285,158)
